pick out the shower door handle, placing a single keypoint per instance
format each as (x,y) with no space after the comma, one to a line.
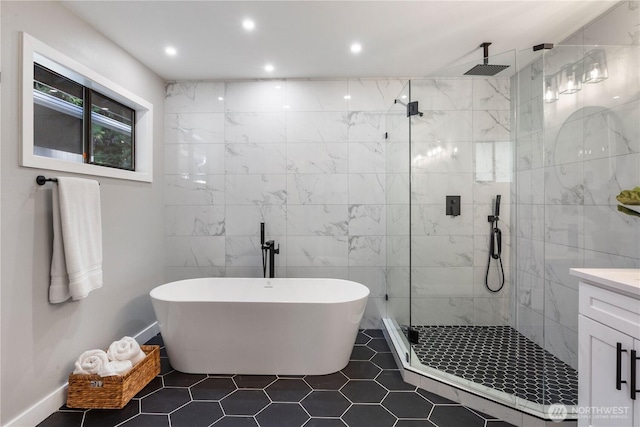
(619,380)
(634,362)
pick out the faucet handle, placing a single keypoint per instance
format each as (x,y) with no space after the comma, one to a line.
(277,250)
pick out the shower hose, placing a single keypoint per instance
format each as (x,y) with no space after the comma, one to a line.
(495,252)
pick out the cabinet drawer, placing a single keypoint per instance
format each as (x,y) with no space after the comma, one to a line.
(621,312)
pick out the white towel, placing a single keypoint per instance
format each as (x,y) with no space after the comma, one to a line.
(76,264)
(91,362)
(116,367)
(126,349)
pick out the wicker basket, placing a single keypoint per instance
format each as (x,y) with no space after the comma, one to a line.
(96,392)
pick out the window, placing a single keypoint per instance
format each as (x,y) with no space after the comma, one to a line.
(75,120)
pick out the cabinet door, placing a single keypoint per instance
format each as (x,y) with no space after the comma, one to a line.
(599,402)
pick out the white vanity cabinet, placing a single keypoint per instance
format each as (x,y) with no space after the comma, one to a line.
(608,341)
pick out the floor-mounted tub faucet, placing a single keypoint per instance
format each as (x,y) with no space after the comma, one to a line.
(269,251)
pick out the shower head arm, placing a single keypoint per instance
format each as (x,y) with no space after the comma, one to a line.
(485,47)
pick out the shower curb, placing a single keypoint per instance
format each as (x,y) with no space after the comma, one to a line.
(474,401)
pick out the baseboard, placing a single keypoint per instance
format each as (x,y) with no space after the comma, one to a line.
(52,402)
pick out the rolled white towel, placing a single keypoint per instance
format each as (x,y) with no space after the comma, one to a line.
(91,362)
(126,349)
(116,367)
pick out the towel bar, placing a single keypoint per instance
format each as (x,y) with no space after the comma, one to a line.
(42,180)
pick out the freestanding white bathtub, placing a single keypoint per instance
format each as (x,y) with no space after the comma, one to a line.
(259,326)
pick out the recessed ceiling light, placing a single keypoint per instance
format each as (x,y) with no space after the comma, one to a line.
(269,68)
(356,48)
(220,98)
(170,50)
(248,24)
(347,97)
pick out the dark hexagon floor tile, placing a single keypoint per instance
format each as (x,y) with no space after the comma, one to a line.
(288,390)
(361,352)
(254,381)
(147,420)
(415,423)
(325,422)
(364,391)
(213,389)
(385,361)
(196,414)
(379,345)
(392,380)
(63,419)
(446,416)
(154,384)
(435,398)
(165,366)
(157,340)
(373,333)
(282,415)
(326,382)
(498,423)
(244,402)
(362,415)
(362,338)
(236,422)
(325,403)
(359,370)
(165,400)
(407,404)
(180,379)
(111,417)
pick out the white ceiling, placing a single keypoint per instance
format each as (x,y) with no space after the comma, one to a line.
(311,39)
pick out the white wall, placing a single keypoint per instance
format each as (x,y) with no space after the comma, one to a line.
(41,341)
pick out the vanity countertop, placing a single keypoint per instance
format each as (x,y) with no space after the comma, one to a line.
(621,280)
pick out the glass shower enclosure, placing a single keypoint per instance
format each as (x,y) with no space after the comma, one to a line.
(488,306)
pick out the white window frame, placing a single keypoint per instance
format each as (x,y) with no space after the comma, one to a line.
(35,51)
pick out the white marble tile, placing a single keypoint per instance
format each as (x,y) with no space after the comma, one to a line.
(255,127)
(198,251)
(427,251)
(442,93)
(255,96)
(244,220)
(255,159)
(530,256)
(442,126)
(251,271)
(194,158)
(398,309)
(194,220)
(523,82)
(397,188)
(194,97)
(373,95)
(432,188)
(611,132)
(197,128)
(372,318)
(490,311)
(492,125)
(317,220)
(486,192)
(531,324)
(562,342)
(371,127)
(481,251)
(317,157)
(398,250)
(558,259)
(317,189)
(320,272)
(315,95)
(607,230)
(442,311)
(523,183)
(605,178)
(398,220)
(367,251)
(617,27)
(173,274)
(537,186)
(398,282)
(442,157)
(564,144)
(256,189)
(561,304)
(367,157)
(442,281)
(596,259)
(244,251)
(492,94)
(530,291)
(564,225)
(563,184)
(194,189)
(317,251)
(537,222)
(494,281)
(397,155)
(366,189)
(317,127)
(367,220)
(431,220)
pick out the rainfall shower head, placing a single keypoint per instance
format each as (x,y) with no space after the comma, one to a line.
(485,69)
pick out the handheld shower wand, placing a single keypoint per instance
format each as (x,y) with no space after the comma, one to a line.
(495,246)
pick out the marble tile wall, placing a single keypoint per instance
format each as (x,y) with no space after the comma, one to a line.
(308,158)
(462,118)
(573,157)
